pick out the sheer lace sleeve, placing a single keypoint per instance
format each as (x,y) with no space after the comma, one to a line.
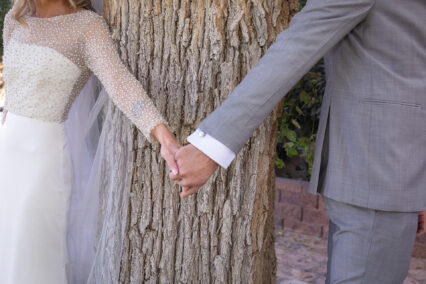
(124,89)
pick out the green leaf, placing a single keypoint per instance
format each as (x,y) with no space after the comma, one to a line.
(295,123)
(279,163)
(291,152)
(305,97)
(303,144)
(289,145)
(299,111)
(291,135)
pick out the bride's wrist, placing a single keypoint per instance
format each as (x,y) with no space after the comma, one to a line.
(162,134)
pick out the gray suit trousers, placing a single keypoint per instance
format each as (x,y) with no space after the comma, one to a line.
(368,246)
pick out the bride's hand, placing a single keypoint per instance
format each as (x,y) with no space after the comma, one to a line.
(169,146)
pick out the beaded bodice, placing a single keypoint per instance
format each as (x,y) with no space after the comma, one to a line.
(47,63)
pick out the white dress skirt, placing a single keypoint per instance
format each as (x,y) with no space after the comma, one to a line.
(35,187)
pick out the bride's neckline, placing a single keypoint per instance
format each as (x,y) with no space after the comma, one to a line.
(55,17)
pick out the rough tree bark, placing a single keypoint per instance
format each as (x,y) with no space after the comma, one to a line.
(189,55)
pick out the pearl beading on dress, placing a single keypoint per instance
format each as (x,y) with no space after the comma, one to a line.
(47,65)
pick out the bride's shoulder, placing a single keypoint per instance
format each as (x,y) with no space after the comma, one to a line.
(91,17)
(9,19)
(91,21)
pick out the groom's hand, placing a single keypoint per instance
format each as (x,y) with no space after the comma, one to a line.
(195,168)
(422,224)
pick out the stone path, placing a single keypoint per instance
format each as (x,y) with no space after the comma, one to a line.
(303,259)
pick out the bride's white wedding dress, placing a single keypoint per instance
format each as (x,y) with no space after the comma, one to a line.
(46,64)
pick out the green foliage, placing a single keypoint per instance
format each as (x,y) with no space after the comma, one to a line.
(302,3)
(299,122)
(4,7)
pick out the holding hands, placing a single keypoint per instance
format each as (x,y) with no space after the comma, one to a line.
(195,168)
(189,167)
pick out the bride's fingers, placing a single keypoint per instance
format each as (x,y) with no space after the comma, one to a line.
(168,155)
(170,160)
(175,177)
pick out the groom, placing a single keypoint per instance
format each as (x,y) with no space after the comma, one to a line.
(370,161)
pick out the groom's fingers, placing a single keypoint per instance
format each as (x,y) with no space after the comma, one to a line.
(187,191)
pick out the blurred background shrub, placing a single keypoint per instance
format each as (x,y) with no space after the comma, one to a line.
(298,124)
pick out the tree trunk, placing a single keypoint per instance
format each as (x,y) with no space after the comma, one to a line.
(189,55)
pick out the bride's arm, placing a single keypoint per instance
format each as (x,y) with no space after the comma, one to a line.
(124,89)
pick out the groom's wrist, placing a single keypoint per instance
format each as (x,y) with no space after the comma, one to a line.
(212,148)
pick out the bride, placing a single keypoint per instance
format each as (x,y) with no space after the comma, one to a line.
(52,47)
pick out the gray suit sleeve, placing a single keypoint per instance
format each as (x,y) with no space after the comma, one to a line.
(312,32)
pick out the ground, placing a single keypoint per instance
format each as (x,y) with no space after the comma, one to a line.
(303,259)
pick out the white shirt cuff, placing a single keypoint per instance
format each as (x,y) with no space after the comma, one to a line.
(214,149)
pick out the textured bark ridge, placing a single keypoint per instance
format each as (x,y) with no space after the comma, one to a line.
(189,55)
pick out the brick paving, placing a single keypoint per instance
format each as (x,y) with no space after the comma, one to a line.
(302,259)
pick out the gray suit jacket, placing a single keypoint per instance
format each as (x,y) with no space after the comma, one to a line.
(371,143)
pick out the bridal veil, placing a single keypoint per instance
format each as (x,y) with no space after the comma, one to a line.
(98,211)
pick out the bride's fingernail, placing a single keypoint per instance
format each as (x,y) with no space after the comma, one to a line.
(174,172)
